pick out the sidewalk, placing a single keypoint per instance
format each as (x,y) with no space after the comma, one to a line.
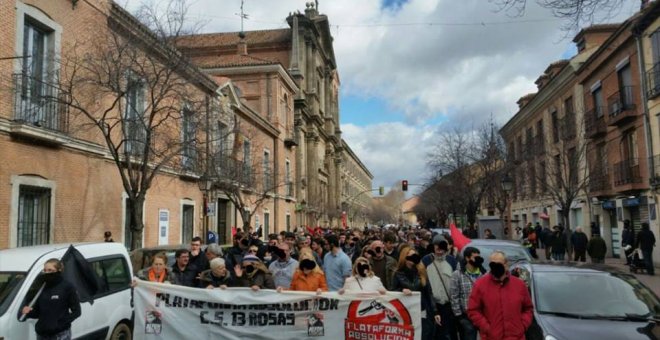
(652,282)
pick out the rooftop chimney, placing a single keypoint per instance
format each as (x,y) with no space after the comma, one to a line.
(242,44)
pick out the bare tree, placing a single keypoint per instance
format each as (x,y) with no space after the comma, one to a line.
(131,88)
(578,13)
(248,182)
(471,161)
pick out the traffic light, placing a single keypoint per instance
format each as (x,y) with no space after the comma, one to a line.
(381,191)
(404,185)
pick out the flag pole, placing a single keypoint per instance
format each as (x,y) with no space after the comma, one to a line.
(34,300)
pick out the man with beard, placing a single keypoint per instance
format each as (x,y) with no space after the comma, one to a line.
(382,265)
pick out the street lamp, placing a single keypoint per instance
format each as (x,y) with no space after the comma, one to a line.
(507,186)
(205,184)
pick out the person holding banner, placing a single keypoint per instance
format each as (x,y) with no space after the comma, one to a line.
(216,277)
(254,274)
(308,277)
(157,272)
(411,276)
(363,279)
(57,305)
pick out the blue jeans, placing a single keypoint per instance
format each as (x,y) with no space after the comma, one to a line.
(558,256)
(648,260)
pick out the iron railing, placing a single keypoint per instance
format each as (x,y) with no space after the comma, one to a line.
(627,172)
(621,101)
(599,179)
(39,103)
(595,122)
(653,81)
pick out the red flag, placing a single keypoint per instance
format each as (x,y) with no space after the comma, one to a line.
(460,241)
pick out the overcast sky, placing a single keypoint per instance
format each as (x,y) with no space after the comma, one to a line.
(410,68)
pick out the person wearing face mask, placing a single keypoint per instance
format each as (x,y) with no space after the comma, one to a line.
(308,277)
(284,267)
(383,266)
(216,277)
(253,273)
(461,285)
(237,251)
(57,305)
(499,305)
(411,276)
(439,272)
(363,279)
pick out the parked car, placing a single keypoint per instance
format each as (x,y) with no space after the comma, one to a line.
(107,314)
(514,251)
(586,301)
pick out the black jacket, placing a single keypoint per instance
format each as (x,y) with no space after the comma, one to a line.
(579,241)
(187,277)
(558,243)
(628,237)
(645,240)
(56,308)
(409,279)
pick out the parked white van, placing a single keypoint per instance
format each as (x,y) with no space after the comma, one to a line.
(108,314)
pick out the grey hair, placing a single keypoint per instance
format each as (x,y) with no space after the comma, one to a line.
(578,229)
(500,252)
(214,248)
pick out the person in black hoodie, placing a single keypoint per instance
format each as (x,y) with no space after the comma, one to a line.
(57,305)
(409,277)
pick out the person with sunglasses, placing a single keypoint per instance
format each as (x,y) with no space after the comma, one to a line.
(253,273)
(363,279)
(411,276)
(383,266)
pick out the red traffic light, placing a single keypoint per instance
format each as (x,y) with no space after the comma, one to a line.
(404,185)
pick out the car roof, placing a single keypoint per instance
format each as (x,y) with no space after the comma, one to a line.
(570,267)
(21,259)
(487,242)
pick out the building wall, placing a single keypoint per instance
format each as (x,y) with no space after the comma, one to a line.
(86,191)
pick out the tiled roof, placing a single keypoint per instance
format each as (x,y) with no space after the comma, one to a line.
(231,60)
(231,38)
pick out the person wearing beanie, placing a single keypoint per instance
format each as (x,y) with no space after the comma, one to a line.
(253,273)
(216,277)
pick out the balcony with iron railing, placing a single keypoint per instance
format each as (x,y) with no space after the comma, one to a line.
(595,124)
(621,106)
(627,172)
(653,81)
(600,180)
(39,103)
(655,174)
(230,170)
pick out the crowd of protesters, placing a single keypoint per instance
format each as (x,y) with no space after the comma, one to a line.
(373,260)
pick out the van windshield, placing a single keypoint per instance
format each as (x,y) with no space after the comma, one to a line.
(10,282)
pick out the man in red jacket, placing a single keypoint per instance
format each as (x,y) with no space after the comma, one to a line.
(500,305)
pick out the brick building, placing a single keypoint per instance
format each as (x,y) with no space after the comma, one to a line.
(60,180)
(611,110)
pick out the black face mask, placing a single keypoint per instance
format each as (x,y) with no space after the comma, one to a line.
(477,262)
(496,269)
(249,269)
(245,242)
(52,278)
(280,253)
(307,264)
(362,269)
(414,258)
(378,250)
(371,252)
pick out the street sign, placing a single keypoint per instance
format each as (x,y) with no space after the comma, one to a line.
(210,209)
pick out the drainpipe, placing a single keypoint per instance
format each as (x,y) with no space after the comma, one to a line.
(647,124)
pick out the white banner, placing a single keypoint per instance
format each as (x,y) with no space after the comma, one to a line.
(164,311)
